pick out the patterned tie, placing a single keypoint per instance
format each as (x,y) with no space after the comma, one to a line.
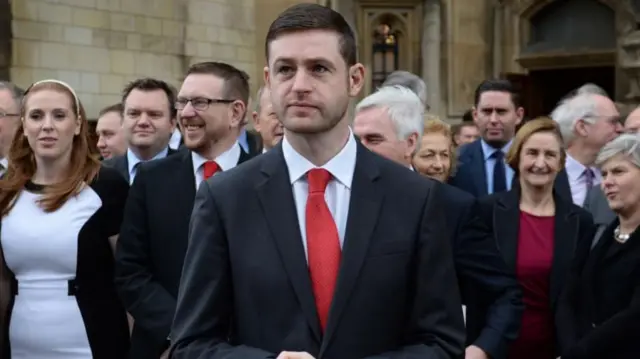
(499,174)
(323,243)
(588,178)
(210,168)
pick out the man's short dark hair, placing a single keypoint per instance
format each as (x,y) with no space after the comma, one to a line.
(467,117)
(236,81)
(303,17)
(116,107)
(148,84)
(497,86)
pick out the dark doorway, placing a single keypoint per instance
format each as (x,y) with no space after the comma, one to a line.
(548,87)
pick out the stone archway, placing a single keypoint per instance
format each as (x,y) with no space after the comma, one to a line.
(5,39)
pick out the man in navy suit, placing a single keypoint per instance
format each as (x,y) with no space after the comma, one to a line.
(390,123)
(497,112)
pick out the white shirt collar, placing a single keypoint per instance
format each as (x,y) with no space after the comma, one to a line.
(341,166)
(226,160)
(133,160)
(575,170)
(4,162)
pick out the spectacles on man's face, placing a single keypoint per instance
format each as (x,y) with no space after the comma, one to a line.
(199,103)
(4,114)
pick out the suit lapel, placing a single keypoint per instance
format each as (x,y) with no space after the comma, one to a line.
(478,170)
(123,167)
(243,156)
(506,224)
(364,207)
(566,232)
(276,197)
(186,178)
(562,187)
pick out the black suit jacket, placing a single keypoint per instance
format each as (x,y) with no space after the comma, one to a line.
(151,248)
(121,163)
(471,175)
(489,289)
(597,204)
(599,313)
(255,143)
(246,291)
(572,227)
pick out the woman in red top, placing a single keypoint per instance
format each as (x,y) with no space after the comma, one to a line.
(537,232)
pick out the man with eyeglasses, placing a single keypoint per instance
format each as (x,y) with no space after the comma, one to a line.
(10,97)
(153,239)
(587,121)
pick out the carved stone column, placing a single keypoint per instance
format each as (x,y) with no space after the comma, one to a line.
(431,55)
(629,49)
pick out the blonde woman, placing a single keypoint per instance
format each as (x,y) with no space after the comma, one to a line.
(436,156)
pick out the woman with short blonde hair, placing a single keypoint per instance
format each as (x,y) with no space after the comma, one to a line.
(436,155)
(600,309)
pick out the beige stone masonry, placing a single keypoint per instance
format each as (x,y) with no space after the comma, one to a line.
(97,46)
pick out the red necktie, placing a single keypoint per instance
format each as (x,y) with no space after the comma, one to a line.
(210,168)
(323,243)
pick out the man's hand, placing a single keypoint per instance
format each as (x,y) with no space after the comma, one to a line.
(294,355)
(165,355)
(473,352)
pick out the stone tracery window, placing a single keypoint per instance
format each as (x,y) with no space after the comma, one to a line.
(385,53)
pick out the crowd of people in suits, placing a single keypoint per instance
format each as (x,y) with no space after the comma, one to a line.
(382,233)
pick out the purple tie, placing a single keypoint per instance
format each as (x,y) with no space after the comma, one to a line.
(588,175)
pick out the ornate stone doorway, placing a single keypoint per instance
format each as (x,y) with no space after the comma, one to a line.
(565,44)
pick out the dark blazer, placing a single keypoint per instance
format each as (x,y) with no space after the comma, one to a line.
(471,175)
(600,309)
(573,226)
(104,316)
(246,291)
(597,204)
(255,143)
(489,289)
(151,248)
(121,163)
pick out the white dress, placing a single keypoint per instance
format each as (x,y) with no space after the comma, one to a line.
(41,250)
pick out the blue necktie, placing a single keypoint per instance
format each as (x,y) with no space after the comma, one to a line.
(499,174)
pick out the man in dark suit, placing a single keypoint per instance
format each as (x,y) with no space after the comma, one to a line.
(382,123)
(154,234)
(317,248)
(497,112)
(148,120)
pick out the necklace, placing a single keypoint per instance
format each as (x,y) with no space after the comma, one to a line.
(620,237)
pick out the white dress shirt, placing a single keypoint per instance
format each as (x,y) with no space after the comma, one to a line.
(133,160)
(227,160)
(578,179)
(174,141)
(4,163)
(338,192)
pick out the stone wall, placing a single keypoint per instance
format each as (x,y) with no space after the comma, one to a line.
(97,46)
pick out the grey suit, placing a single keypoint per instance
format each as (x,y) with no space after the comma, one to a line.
(596,203)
